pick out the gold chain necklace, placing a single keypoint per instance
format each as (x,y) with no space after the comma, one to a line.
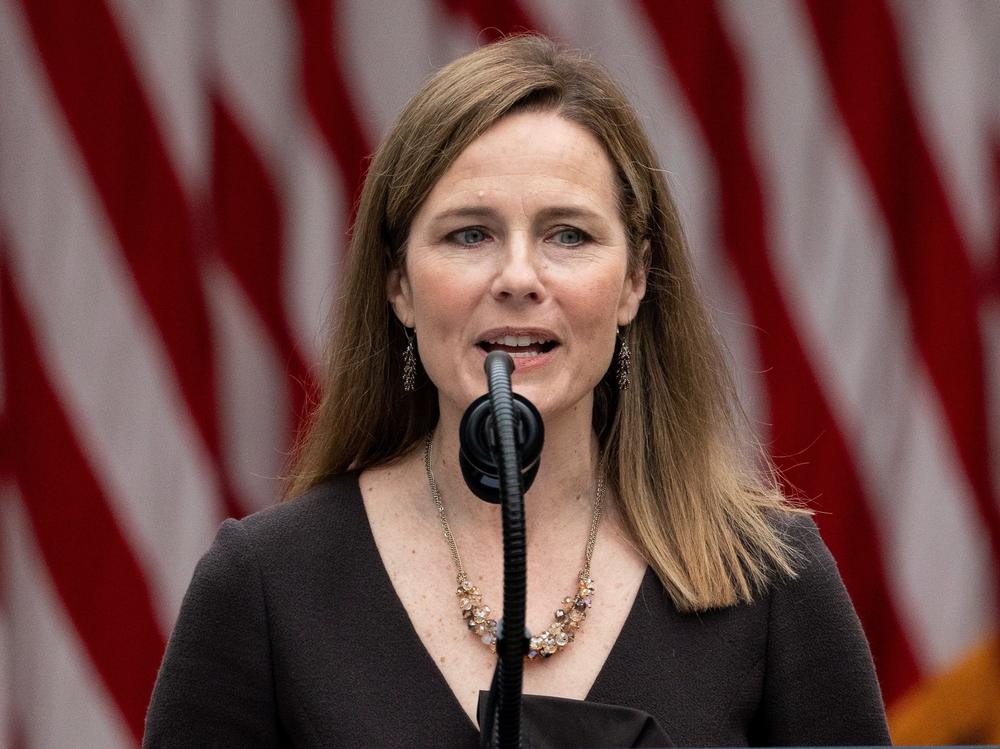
(567,619)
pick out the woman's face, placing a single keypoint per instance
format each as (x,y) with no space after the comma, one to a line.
(520,247)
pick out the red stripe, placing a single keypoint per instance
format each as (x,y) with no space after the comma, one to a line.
(18,739)
(326,91)
(806,439)
(5,445)
(248,231)
(859,46)
(92,566)
(100,95)
(494,18)
(989,288)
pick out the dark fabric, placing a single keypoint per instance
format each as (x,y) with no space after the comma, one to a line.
(559,723)
(292,635)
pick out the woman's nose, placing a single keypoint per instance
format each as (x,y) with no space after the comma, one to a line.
(518,273)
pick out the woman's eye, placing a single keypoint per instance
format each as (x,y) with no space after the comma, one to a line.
(469,237)
(569,237)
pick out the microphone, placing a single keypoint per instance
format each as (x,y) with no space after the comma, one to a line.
(478,436)
(500,433)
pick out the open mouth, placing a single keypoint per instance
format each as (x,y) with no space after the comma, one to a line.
(518,345)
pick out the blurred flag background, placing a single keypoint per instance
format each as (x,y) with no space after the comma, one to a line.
(176,184)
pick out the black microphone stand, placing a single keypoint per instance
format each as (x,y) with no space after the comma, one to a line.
(501,437)
(511,643)
(512,417)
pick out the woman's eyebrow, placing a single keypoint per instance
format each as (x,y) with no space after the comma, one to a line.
(567,213)
(471,211)
(551,213)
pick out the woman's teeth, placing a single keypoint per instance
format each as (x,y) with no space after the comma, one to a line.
(517,340)
(518,345)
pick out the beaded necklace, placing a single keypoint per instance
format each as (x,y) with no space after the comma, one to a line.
(567,619)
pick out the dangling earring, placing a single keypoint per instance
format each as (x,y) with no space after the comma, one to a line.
(409,365)
(624,372)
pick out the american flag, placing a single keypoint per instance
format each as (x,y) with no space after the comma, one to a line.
(176,185)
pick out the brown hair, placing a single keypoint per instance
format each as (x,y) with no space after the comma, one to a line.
(696,491)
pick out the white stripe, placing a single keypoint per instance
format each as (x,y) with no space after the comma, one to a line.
(167,43)
(267,102)
(951,55)
(257,72)
(101,349)
(225,57)
(834,262)
(390,49)
(264,101)
(315,238)
(253,401)
(952,69)
(59,700)
(620,37)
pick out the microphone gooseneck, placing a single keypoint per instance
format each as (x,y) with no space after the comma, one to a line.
(511,648)
(500,433)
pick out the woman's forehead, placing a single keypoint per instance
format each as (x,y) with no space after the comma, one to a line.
(538,156)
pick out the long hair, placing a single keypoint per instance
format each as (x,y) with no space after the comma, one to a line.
(695,489)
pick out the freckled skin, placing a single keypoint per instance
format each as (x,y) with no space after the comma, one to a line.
(512,259)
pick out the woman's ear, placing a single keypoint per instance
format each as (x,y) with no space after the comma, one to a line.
(634,288)
(397,291)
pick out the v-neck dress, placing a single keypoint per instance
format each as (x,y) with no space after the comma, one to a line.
(291,634)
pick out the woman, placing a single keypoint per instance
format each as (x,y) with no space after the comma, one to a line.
(517,205)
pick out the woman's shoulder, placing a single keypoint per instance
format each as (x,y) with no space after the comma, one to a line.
(332,503)
(796,527)
(818,664)
(813,566)
(295,551)
(324,520)
(262,581)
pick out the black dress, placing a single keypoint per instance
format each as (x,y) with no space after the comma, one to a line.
(291,634)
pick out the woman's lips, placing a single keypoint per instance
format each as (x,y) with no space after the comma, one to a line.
(528,347)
